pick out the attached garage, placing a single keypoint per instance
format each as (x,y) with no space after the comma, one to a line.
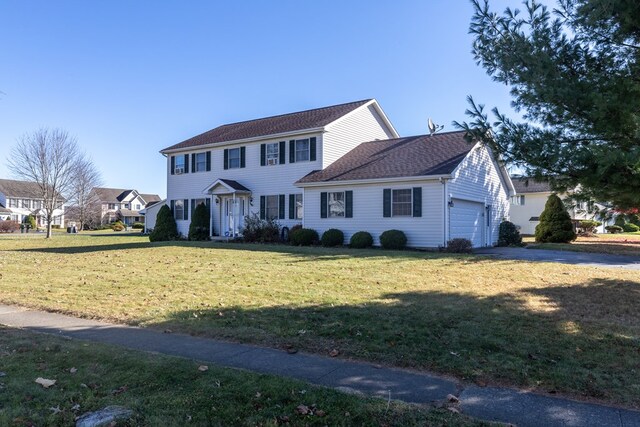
(466,220)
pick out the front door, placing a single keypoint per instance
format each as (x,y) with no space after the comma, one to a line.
(234,215)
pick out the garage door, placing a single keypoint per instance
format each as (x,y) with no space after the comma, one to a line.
(466,220)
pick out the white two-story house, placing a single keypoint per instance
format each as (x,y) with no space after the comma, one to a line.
(342,166)
(122,204)
(19,199)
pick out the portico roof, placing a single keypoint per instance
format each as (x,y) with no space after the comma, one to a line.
(226,186)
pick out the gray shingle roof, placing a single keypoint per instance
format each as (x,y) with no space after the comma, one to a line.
(26,189)
(528,185)
(235,185)
(300,120)
(116,195)
(420,155)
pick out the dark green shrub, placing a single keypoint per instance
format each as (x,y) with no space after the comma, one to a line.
(630,228)
(393,239)
(508,234)
(634,219)
(137,226)
(332,237)
(166,227)
(361,240)
(620,221)
(459,246)
(555,223)
(260,230)
(588,227)
(304,237)
(199,227)
(31,221)
(613,229)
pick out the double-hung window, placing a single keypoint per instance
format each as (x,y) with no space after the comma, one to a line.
(273,153)
(234,158)
(299,207)
(180,165)
(272,208)
(112,206)
(26,203)
(517,200)
(302,150)
(401,203)
(178,209)
(201,162)
(336,204)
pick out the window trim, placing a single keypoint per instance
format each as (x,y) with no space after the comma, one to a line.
(393,203)
(177,168)
(301,207)
(344,203)
(272,156)
(266,206)
(198,162)
(175,209)
(229,158)
(308,150)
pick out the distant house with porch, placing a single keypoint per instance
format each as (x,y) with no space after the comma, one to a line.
(19,199)
(122,204)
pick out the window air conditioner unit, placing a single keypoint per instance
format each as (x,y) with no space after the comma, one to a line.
(272,162)
(179,171)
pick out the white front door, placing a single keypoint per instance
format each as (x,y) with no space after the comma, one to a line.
(233,215)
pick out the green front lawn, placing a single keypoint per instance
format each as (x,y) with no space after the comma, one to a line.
(167,391)
(544,326)
(615,244)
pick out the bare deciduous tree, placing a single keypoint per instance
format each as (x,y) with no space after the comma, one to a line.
(50,158)
(84,201)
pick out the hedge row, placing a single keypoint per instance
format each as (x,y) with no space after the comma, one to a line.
(390,239)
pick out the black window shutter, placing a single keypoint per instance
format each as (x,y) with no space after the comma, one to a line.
(242,156)
(193,206)
(263,207)
(263,154)
(323,204)
(292,206)
(226,158)
(208,161)
(186,163)
(281,207)
(208,204)
(312,149)
(292,151)
(173,165)
(193,162)
(386,202)
(173,205)
(417,201)
(282,152)
(348,204)
(185,208)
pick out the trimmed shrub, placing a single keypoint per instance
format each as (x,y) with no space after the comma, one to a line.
(361,240)
(199,226)
(166,227)
(304,237)
(613,229)
(137,226)
(332,237)
(508,234)
(117,227)
(393,239)
(589,226)
(459,246)
(31,220)
(630,228)
(260,230)
(620,220)
(9,226)
(555,223)
(634,219)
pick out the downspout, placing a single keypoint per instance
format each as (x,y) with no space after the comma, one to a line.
(445,213)
(211,204)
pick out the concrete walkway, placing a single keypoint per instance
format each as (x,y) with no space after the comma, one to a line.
(489,403)
(564,257)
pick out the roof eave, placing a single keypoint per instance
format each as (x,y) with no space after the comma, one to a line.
(378,108)
(373,180)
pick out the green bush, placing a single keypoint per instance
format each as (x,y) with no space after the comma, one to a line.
(459,246)
(332,237)
(620,221)
(508,234)
(555,223)
(634,219)
(393,239)
(137,226)
(199,227)
(630,228)
(588,227)
(31,220)
(304,237)
(166,227)
(361,240)
(260,230)
(613,229)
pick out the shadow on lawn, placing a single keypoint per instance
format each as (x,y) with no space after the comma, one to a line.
(581,339)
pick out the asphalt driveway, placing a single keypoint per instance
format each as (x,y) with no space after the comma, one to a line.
(563,257)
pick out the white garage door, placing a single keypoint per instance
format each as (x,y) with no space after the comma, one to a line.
(466,220)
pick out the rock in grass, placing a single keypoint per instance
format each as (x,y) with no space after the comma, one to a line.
(104,416)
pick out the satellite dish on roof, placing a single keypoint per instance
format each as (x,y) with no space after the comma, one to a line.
(433,128)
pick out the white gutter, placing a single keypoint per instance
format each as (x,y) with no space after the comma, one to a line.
(371,181)
(244,140)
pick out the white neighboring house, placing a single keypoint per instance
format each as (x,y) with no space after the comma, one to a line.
(19,199)
(531,196)
(434,188)
(150,213)
(123,204)
(342,167)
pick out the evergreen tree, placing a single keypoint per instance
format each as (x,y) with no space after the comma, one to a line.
(166,227)
(555,223)
(31,220)
(199,227)
(574,73)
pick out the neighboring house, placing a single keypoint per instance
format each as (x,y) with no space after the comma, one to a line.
(342,167)
(150,212)
(19,199)
(531,196)
(122,204)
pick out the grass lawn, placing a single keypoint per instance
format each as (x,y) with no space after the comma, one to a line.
(544,326)
(167,391)
(618,244)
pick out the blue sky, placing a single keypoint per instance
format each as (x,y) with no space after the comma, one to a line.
(130,78)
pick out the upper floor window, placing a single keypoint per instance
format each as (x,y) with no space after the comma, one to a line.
(26,203)
(273,153)
(180,165)
(37,204)
(234,158)
(401,203)
(517,200)
(302,150)
(13,203)
(111,206)
(200,162)
(127,206)
(138,206)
